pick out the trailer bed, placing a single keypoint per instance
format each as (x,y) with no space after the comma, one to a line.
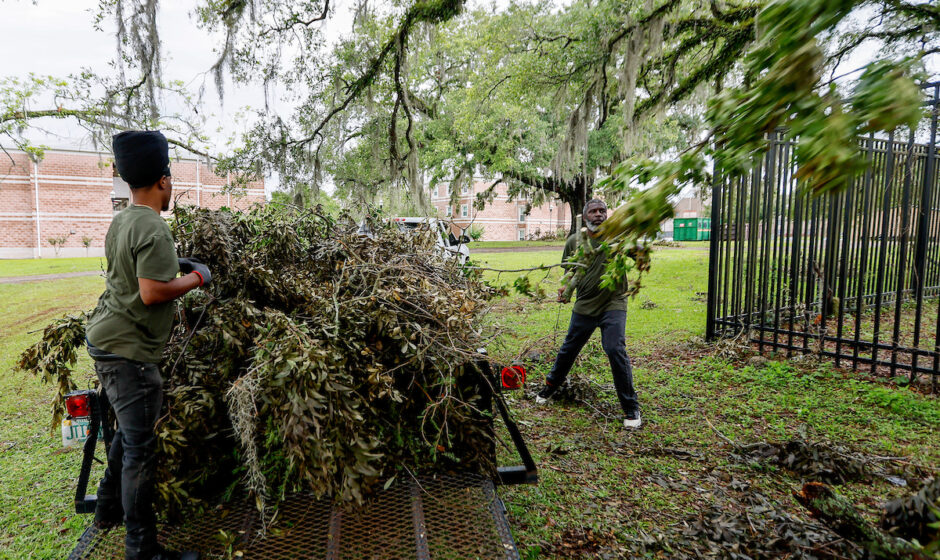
(436,517)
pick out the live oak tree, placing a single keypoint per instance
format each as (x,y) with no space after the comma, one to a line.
(548,99)
(485,95)
(544,100)
(782,87)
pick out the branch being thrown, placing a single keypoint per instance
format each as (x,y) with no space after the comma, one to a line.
(532,269)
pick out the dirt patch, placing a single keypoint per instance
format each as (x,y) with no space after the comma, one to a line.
(582,543)
(669,355)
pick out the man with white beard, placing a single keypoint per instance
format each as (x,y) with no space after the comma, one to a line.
(594,308)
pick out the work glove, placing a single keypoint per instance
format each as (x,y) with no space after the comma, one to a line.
(192,264)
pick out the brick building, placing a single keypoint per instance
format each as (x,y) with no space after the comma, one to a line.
(68,194)
(501,219)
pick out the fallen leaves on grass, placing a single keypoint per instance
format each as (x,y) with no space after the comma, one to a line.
(916,516)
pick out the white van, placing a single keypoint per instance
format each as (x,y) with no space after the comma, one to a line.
(452,245)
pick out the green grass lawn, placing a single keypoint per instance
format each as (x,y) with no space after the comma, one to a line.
(37,477)
(603,492)
(670,307)
(30,267)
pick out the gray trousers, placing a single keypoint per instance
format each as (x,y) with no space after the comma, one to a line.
(612,325)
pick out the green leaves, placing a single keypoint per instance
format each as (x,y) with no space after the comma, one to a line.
(885,97)
(54,356)
(319,360)
(523,285)
(783,91)
(625,233)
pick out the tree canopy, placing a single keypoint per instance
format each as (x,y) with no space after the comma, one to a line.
(548,98)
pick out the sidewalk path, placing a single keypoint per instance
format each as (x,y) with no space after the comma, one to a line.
(40,277)
(518,249)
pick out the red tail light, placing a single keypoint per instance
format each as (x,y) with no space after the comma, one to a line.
(513,376)
(78,404)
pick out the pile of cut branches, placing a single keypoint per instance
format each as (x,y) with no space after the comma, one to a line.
(318,360)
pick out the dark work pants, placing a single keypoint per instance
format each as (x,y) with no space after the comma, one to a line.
(135,390)
(612,325)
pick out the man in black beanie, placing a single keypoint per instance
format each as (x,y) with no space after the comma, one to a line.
(595,308)
(126,334)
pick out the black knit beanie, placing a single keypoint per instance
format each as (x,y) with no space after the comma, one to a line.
(142,157)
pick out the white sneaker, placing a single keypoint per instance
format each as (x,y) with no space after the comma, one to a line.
(547,393)
(633,423)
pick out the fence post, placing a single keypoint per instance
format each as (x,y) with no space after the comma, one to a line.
(859,257)
(713,247)
(923,225)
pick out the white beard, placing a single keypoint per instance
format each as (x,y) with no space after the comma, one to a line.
(591,227)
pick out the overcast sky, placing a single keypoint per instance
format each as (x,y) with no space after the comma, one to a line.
(57,38)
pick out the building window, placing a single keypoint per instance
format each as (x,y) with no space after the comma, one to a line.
(465,189)
(464,210)
(450,212)
(521,213)
(521,235)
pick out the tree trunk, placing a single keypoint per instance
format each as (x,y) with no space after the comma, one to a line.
(575,197)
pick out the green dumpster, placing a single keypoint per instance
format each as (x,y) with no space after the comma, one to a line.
(691,229)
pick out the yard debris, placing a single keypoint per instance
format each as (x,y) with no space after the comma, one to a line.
(757,361)
(839,514)
(580,390)
(748,525)
(663,242)
(319,360)
(917,516)
(54,357)
(759,528)
(810,460)
(581,543)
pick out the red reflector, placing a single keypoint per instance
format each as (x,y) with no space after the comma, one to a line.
(78,404)
(513,377)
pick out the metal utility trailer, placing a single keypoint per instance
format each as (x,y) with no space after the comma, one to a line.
(446,516)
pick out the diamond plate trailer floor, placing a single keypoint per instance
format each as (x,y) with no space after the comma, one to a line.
(441,517)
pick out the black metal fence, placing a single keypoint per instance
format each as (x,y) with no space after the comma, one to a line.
(853,276)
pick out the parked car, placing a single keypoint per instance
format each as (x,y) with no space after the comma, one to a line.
(452,245)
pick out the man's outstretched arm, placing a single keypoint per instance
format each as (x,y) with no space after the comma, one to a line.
(153,292)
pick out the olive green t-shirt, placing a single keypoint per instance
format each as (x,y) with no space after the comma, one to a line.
(138,245)
(591,299)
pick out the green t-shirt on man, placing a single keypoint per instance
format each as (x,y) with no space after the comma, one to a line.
(591,299)
(138,245)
